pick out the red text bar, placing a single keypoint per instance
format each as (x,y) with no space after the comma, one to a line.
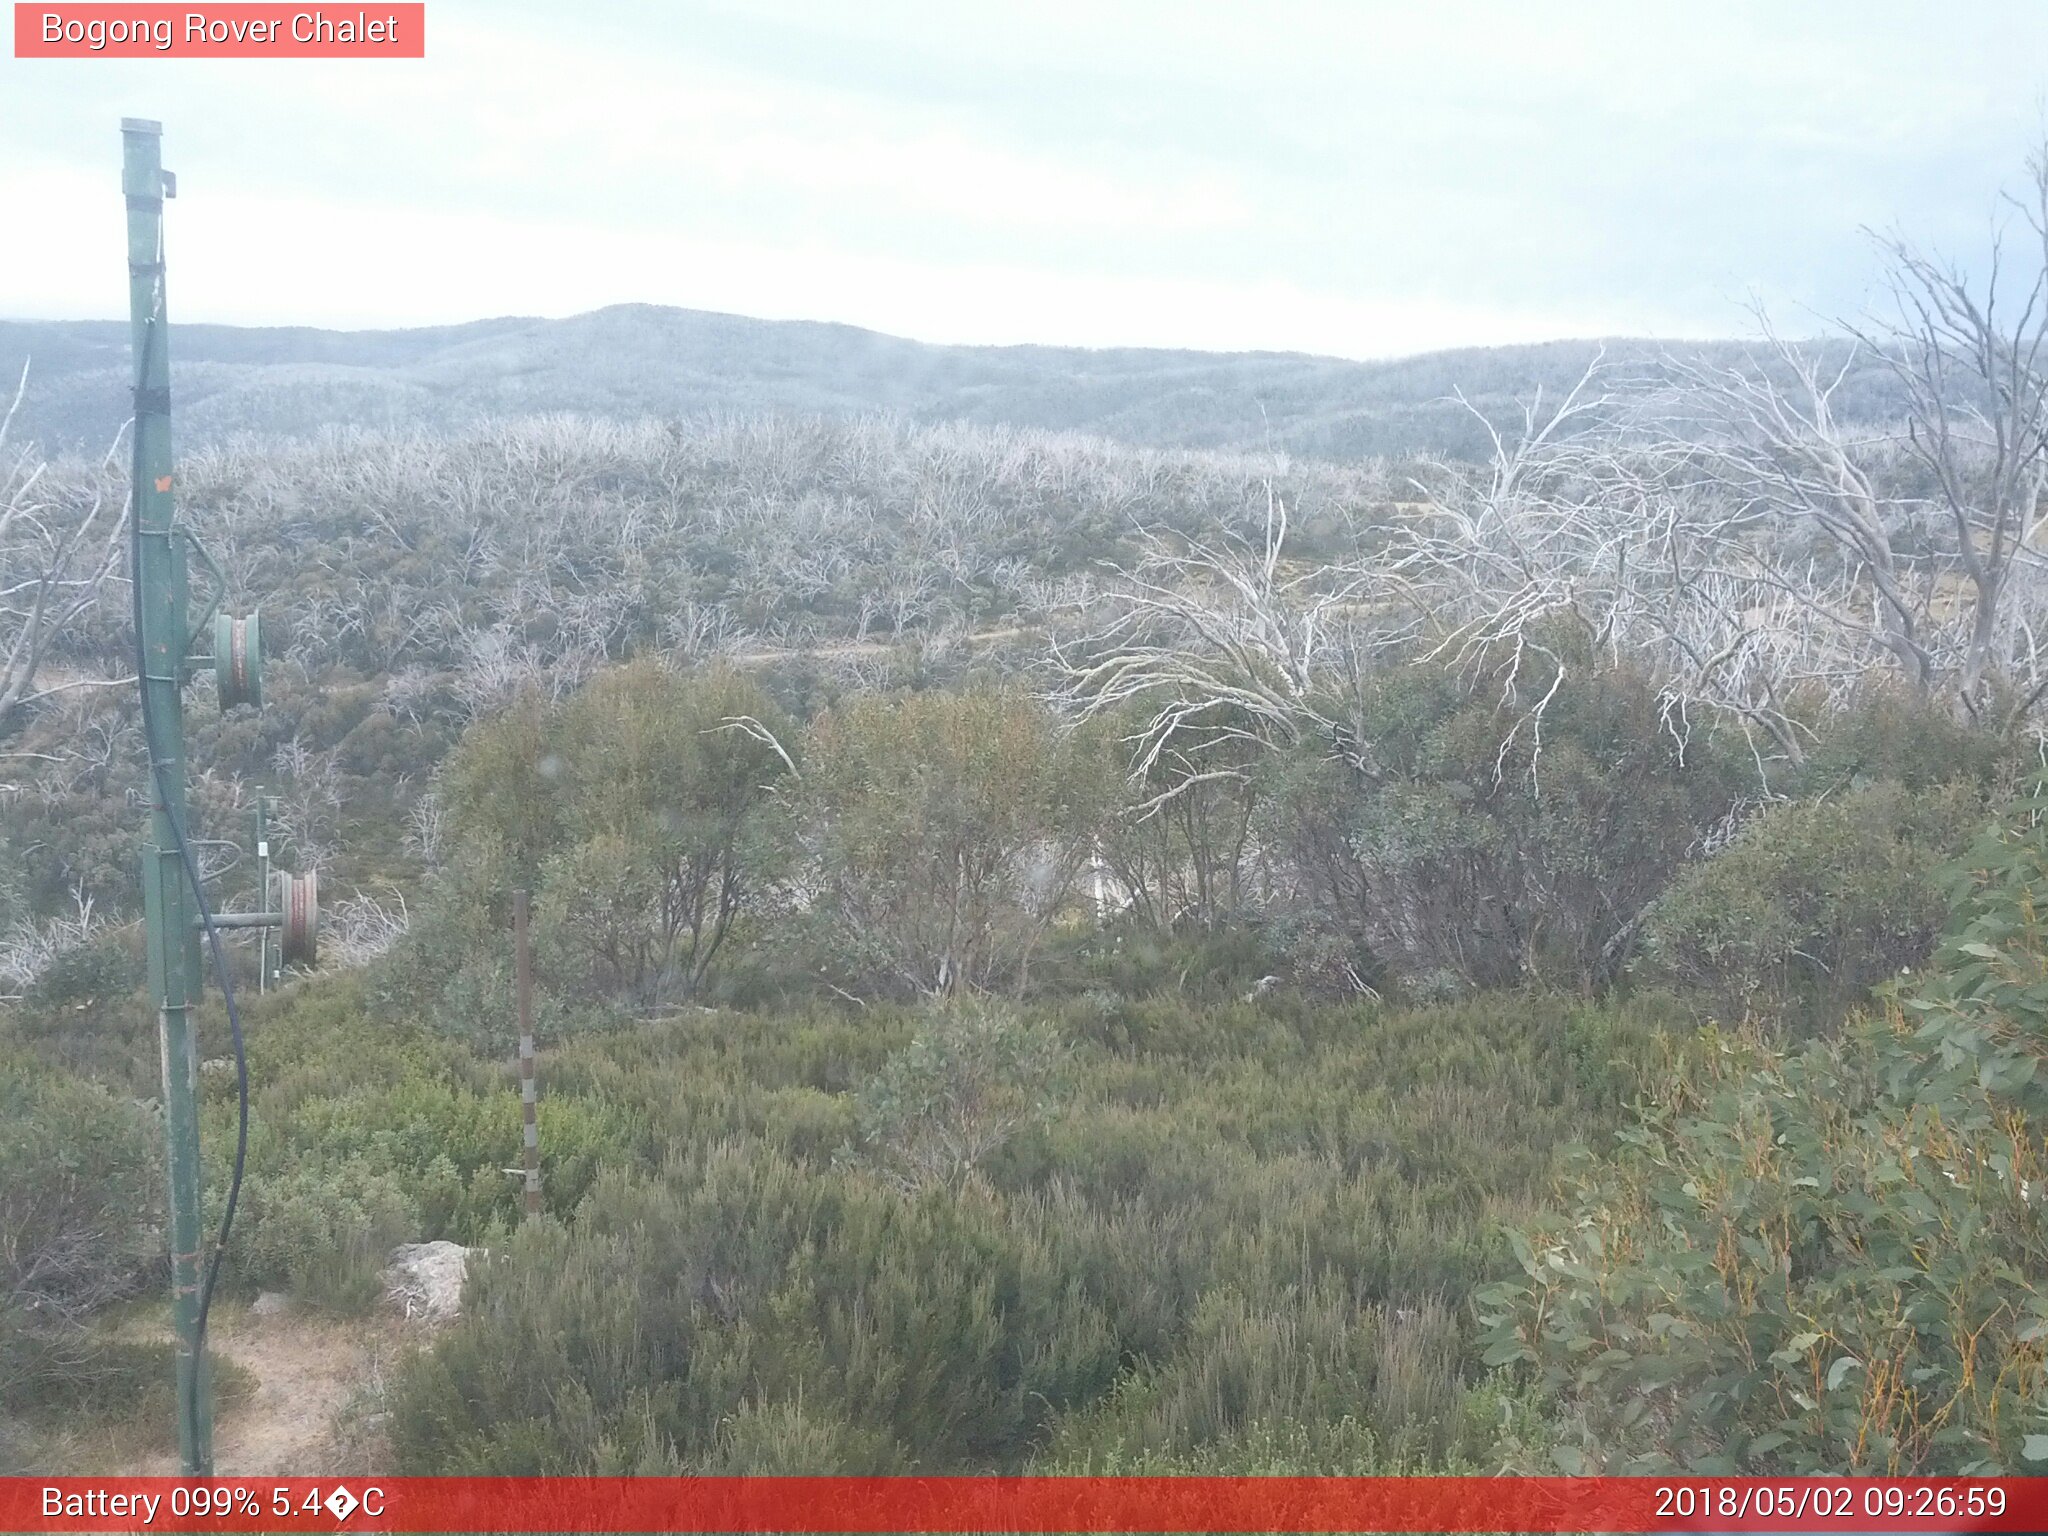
(1023,1504)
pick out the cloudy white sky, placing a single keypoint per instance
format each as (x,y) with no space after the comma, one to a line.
(1350,177)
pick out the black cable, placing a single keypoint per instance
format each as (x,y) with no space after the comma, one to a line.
(191,865)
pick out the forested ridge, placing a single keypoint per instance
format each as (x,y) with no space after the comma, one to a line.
(1522,951)
(637,360)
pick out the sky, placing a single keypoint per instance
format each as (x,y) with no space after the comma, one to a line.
(1350,178)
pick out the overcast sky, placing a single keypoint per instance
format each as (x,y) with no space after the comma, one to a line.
(1353,178)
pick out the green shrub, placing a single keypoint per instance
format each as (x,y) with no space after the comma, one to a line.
(79,1193)
(1469,1435)
(1886,735)
(366,1133)
(1812,904)
(1230,1218)
(1828,1259)
(970,1079)
(1356,1381)
(322,1235)
(640,813)
(453,968)
(1180,846)
(105,967)
(676,1305)
(942,834)
(119,1380)
(116,1389)
(1473,846)
(88,1014)
(1134,958)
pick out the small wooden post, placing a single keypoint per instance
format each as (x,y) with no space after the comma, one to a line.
(529,1088)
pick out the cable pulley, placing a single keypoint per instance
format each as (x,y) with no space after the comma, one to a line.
(298,900)
(238,660)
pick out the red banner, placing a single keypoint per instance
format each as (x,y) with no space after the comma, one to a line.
(239,31)
(1034,1504)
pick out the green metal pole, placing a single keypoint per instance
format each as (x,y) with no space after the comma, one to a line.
(161,590)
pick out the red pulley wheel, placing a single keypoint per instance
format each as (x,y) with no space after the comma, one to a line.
(299,899)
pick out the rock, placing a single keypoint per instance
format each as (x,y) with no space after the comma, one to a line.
(270,1304)
(424,1280)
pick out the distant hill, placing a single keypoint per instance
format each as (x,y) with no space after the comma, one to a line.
(644,360)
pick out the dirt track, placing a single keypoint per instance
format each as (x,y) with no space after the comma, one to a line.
(311,1407)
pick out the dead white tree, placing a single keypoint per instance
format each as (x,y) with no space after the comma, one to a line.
(1917,540)
(1760,551)
(362,927)
(1978,425)
(309,800)
(1581,541)
(1496,559)
(1225,642)
(1587,534)
(426,829)
(32,947)
(1728,527)
(58,546)
(495,666)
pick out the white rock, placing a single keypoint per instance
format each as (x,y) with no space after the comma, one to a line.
(424,1280)
(270,1304)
